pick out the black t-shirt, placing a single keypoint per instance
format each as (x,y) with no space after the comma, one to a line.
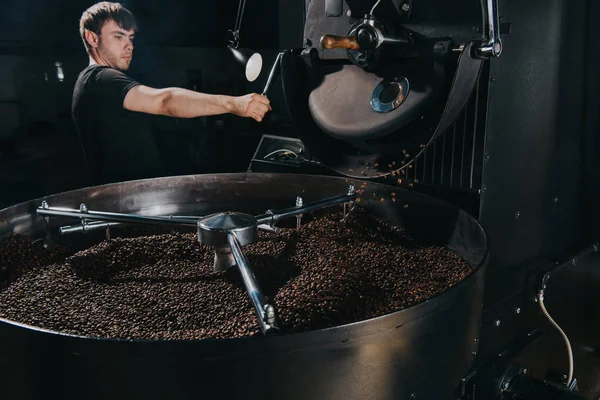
(119,144)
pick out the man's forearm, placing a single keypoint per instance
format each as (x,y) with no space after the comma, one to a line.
(185,103)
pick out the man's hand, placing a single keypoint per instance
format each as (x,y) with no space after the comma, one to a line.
(251,105)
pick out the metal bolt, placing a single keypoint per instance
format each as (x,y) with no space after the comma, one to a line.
(405,7)
(518,214)
(556,200)
(44,204)
(350,190)
(497,322)
(524,370)
(413,396)
(493,79)
(298,201)
(505,386)
(517,310)
(349,13)
(83,208)
(487,157)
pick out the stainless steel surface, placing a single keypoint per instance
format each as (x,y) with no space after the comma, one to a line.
(403,90)
(214,230)
(493,46)
(223,259)
(299,216)
(265,312)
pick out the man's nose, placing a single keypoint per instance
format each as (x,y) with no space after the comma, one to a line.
(129,44)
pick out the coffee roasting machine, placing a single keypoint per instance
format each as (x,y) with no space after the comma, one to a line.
(479,116)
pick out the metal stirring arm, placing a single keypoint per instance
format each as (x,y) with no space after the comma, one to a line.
(265,312)
(264,221)
(273,217)
(226,232)
(99,225)
(115,217)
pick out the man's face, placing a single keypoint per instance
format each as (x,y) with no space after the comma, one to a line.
(115,45)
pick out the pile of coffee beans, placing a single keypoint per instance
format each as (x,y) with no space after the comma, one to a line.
(162,286)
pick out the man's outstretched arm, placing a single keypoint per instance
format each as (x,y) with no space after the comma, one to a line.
(183,103)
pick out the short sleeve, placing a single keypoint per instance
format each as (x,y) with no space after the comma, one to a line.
(114,84)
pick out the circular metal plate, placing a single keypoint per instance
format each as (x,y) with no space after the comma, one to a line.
(226,222)
(401,86)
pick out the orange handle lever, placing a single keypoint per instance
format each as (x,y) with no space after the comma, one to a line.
(339,42)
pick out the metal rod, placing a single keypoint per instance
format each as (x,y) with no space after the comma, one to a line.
(276,216)
(274,72)
(462,157)
(265,312)
(425,163)
(88,227)
(417,159)
(443,167)
(474,134)
(118,217)
(433,163)
(453,151)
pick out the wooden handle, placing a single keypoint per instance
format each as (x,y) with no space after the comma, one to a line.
(339,42)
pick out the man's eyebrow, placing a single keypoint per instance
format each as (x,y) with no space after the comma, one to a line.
(122,33)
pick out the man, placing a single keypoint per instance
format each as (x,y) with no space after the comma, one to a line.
(112,111)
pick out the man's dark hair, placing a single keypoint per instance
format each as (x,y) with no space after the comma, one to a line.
(97,15)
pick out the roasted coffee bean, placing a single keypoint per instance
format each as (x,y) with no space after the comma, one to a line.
(147,283)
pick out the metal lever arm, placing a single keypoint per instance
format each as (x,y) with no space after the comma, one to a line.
(274,73)
(265,312)
(493,46)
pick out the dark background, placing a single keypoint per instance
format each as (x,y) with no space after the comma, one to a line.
(180,43)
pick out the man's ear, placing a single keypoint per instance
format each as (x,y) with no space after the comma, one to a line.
(91,38)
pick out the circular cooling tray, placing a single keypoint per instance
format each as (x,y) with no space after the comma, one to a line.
(347,361)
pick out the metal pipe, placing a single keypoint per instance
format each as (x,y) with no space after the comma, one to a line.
(275,216)
(265,312)
(118,217)
(543,283)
